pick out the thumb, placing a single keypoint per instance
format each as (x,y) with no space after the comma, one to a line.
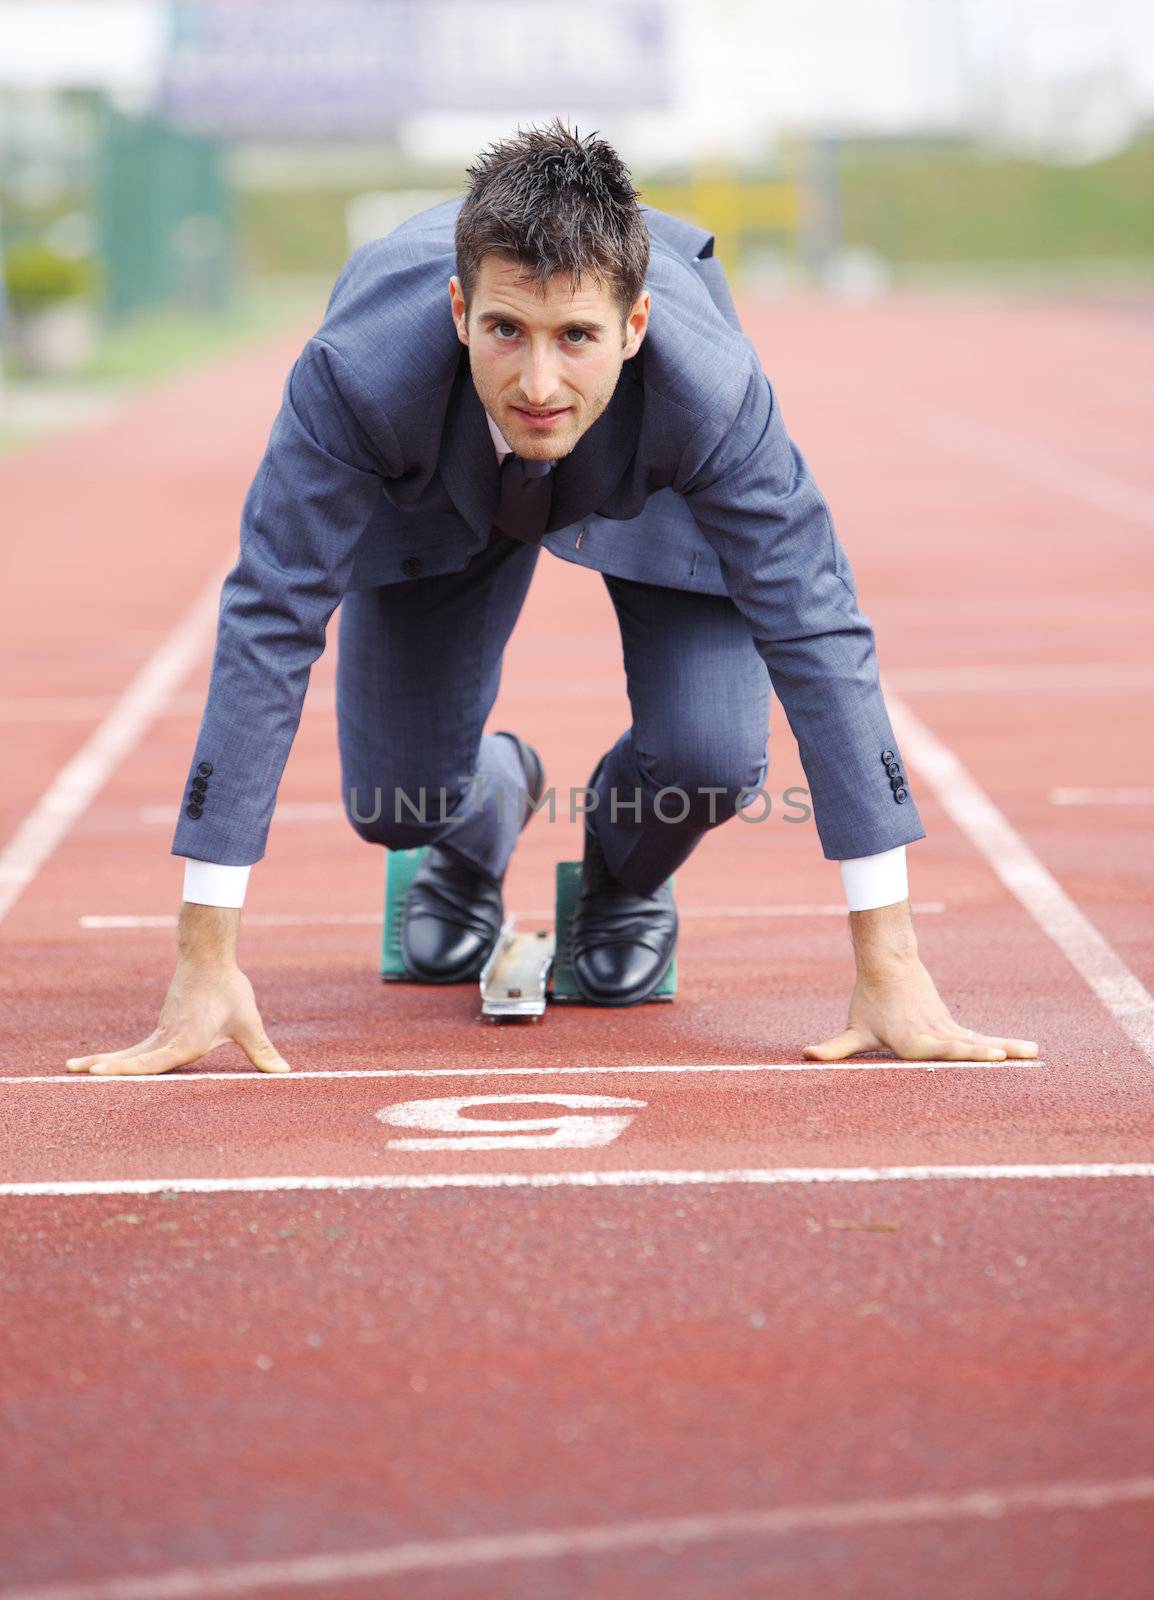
(849,1042)
(261,1051)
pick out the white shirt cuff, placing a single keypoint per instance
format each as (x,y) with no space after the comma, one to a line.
(207,884)
(872,881)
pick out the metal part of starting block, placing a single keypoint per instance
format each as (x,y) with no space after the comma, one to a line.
(564,988)
(515,979)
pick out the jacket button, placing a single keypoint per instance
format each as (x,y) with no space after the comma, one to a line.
(897,783)
(193,811)
(893,770)
(901,796)
(887,757)
(411,567)
(200,784)
(205,769)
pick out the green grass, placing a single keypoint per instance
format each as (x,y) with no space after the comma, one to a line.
(916,203)
(157,344)
(300,231)
(959,205)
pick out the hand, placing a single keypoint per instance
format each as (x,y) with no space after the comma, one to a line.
(206,1006)
(896,1006)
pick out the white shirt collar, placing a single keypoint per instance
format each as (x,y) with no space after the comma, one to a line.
(503,449)
(502,446)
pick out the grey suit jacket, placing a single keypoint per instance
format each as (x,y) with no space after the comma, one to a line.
(380,468)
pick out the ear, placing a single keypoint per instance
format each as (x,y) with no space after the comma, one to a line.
(636,324)
(460,315)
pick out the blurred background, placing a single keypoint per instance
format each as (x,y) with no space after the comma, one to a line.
(179,175)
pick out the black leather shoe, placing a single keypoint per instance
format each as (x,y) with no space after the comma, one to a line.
(453,913)
(622,943)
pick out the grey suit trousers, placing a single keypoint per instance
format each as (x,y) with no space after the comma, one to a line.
(418,669)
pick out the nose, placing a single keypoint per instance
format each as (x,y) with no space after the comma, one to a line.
(539,376)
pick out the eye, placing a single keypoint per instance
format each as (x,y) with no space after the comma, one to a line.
(503,328)
(576,335)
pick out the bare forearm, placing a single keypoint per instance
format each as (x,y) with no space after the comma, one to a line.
(883,939)
(207,935)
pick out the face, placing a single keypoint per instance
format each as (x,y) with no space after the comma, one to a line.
(545,362)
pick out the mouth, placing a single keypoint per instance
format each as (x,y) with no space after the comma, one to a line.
(540,418)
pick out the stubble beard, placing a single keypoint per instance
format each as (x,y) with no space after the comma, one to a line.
(543,448)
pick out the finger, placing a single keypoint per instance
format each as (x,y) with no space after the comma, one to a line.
(83,1063)
(261,1051)
(86,1063)
(946,1047)
(849,1042)
(147,1064)
(1019,1048)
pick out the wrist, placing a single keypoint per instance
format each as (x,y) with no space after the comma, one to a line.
(207,935)
(883,939)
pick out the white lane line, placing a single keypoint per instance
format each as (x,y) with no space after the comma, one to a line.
(1052,470)
(1102,797)
(76,784)
(252,1079)
(87,708)
(599,1179)
(926,908)
(551,1544)
(1127,999)
(352,919)
(358,919)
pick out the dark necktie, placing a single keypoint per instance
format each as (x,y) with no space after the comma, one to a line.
(526,496)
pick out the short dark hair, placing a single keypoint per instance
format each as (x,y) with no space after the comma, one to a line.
(558,203)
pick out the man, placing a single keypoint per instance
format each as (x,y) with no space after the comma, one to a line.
(544,363)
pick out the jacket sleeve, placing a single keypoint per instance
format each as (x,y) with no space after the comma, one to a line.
(754,499)
(311,499)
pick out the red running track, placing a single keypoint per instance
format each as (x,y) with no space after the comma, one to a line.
(771,1330)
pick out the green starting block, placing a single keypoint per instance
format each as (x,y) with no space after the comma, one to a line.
(400,870)
(564,987)
(526,969)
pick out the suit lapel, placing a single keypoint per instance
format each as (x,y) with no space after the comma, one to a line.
(468,461)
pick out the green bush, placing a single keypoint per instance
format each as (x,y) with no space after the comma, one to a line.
(35,277)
